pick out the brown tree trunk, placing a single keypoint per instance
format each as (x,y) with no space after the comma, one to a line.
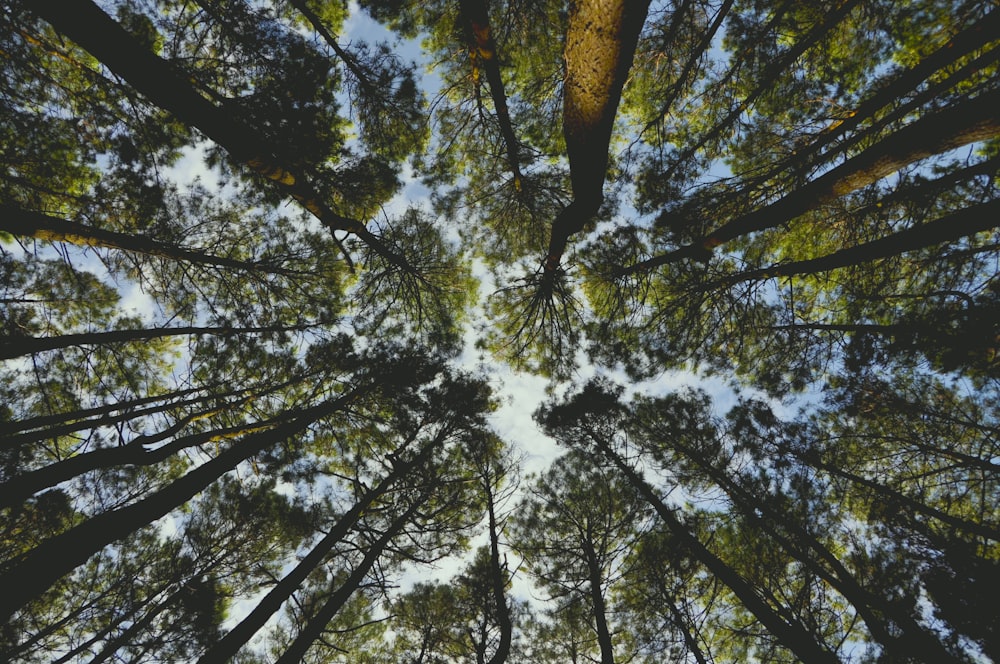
(601,38)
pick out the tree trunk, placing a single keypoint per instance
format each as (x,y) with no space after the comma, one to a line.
(936,133)
(499,581)
(770,73)
(596,584)
(483,50)
(237,637)
(34,572)
(790,634)
(963,223)
(134,454)
(313,630)
(899,498)
(86,24)
(17,346)
(103,413)
(26,223)
(601,38)
(915,640)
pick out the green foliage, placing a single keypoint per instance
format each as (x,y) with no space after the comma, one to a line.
(234,422)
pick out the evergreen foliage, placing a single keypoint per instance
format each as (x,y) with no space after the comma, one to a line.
(237,418)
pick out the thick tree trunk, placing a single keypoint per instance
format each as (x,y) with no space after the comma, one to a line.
(601,38)
(26,223)
(936,133)
(134,454)
(34,572)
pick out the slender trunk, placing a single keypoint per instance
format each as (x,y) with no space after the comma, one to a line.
(111,647)
(595,582)
(100,412)
(768,76)
(899,86)
(86,24)
(694,58)
(963,223)
(499,581)
(915,640)
(790,634)
(690,641)
(314,628)
(26,223)
(237,637)
(133,454)
(35,571)
(483,48)
(936,133)
(17,346)
(105,419)
(898,498)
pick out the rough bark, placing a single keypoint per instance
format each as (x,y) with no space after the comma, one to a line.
(601,38)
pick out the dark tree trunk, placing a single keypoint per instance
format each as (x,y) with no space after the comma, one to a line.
(317,624)
(237,637)
(969,221)
(936,133)
(790,634)
(17,346)
(484,53)
(35,571)
(86,24)
(26,223)
(596,584)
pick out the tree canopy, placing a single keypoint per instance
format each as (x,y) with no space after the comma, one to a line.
(249,398)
